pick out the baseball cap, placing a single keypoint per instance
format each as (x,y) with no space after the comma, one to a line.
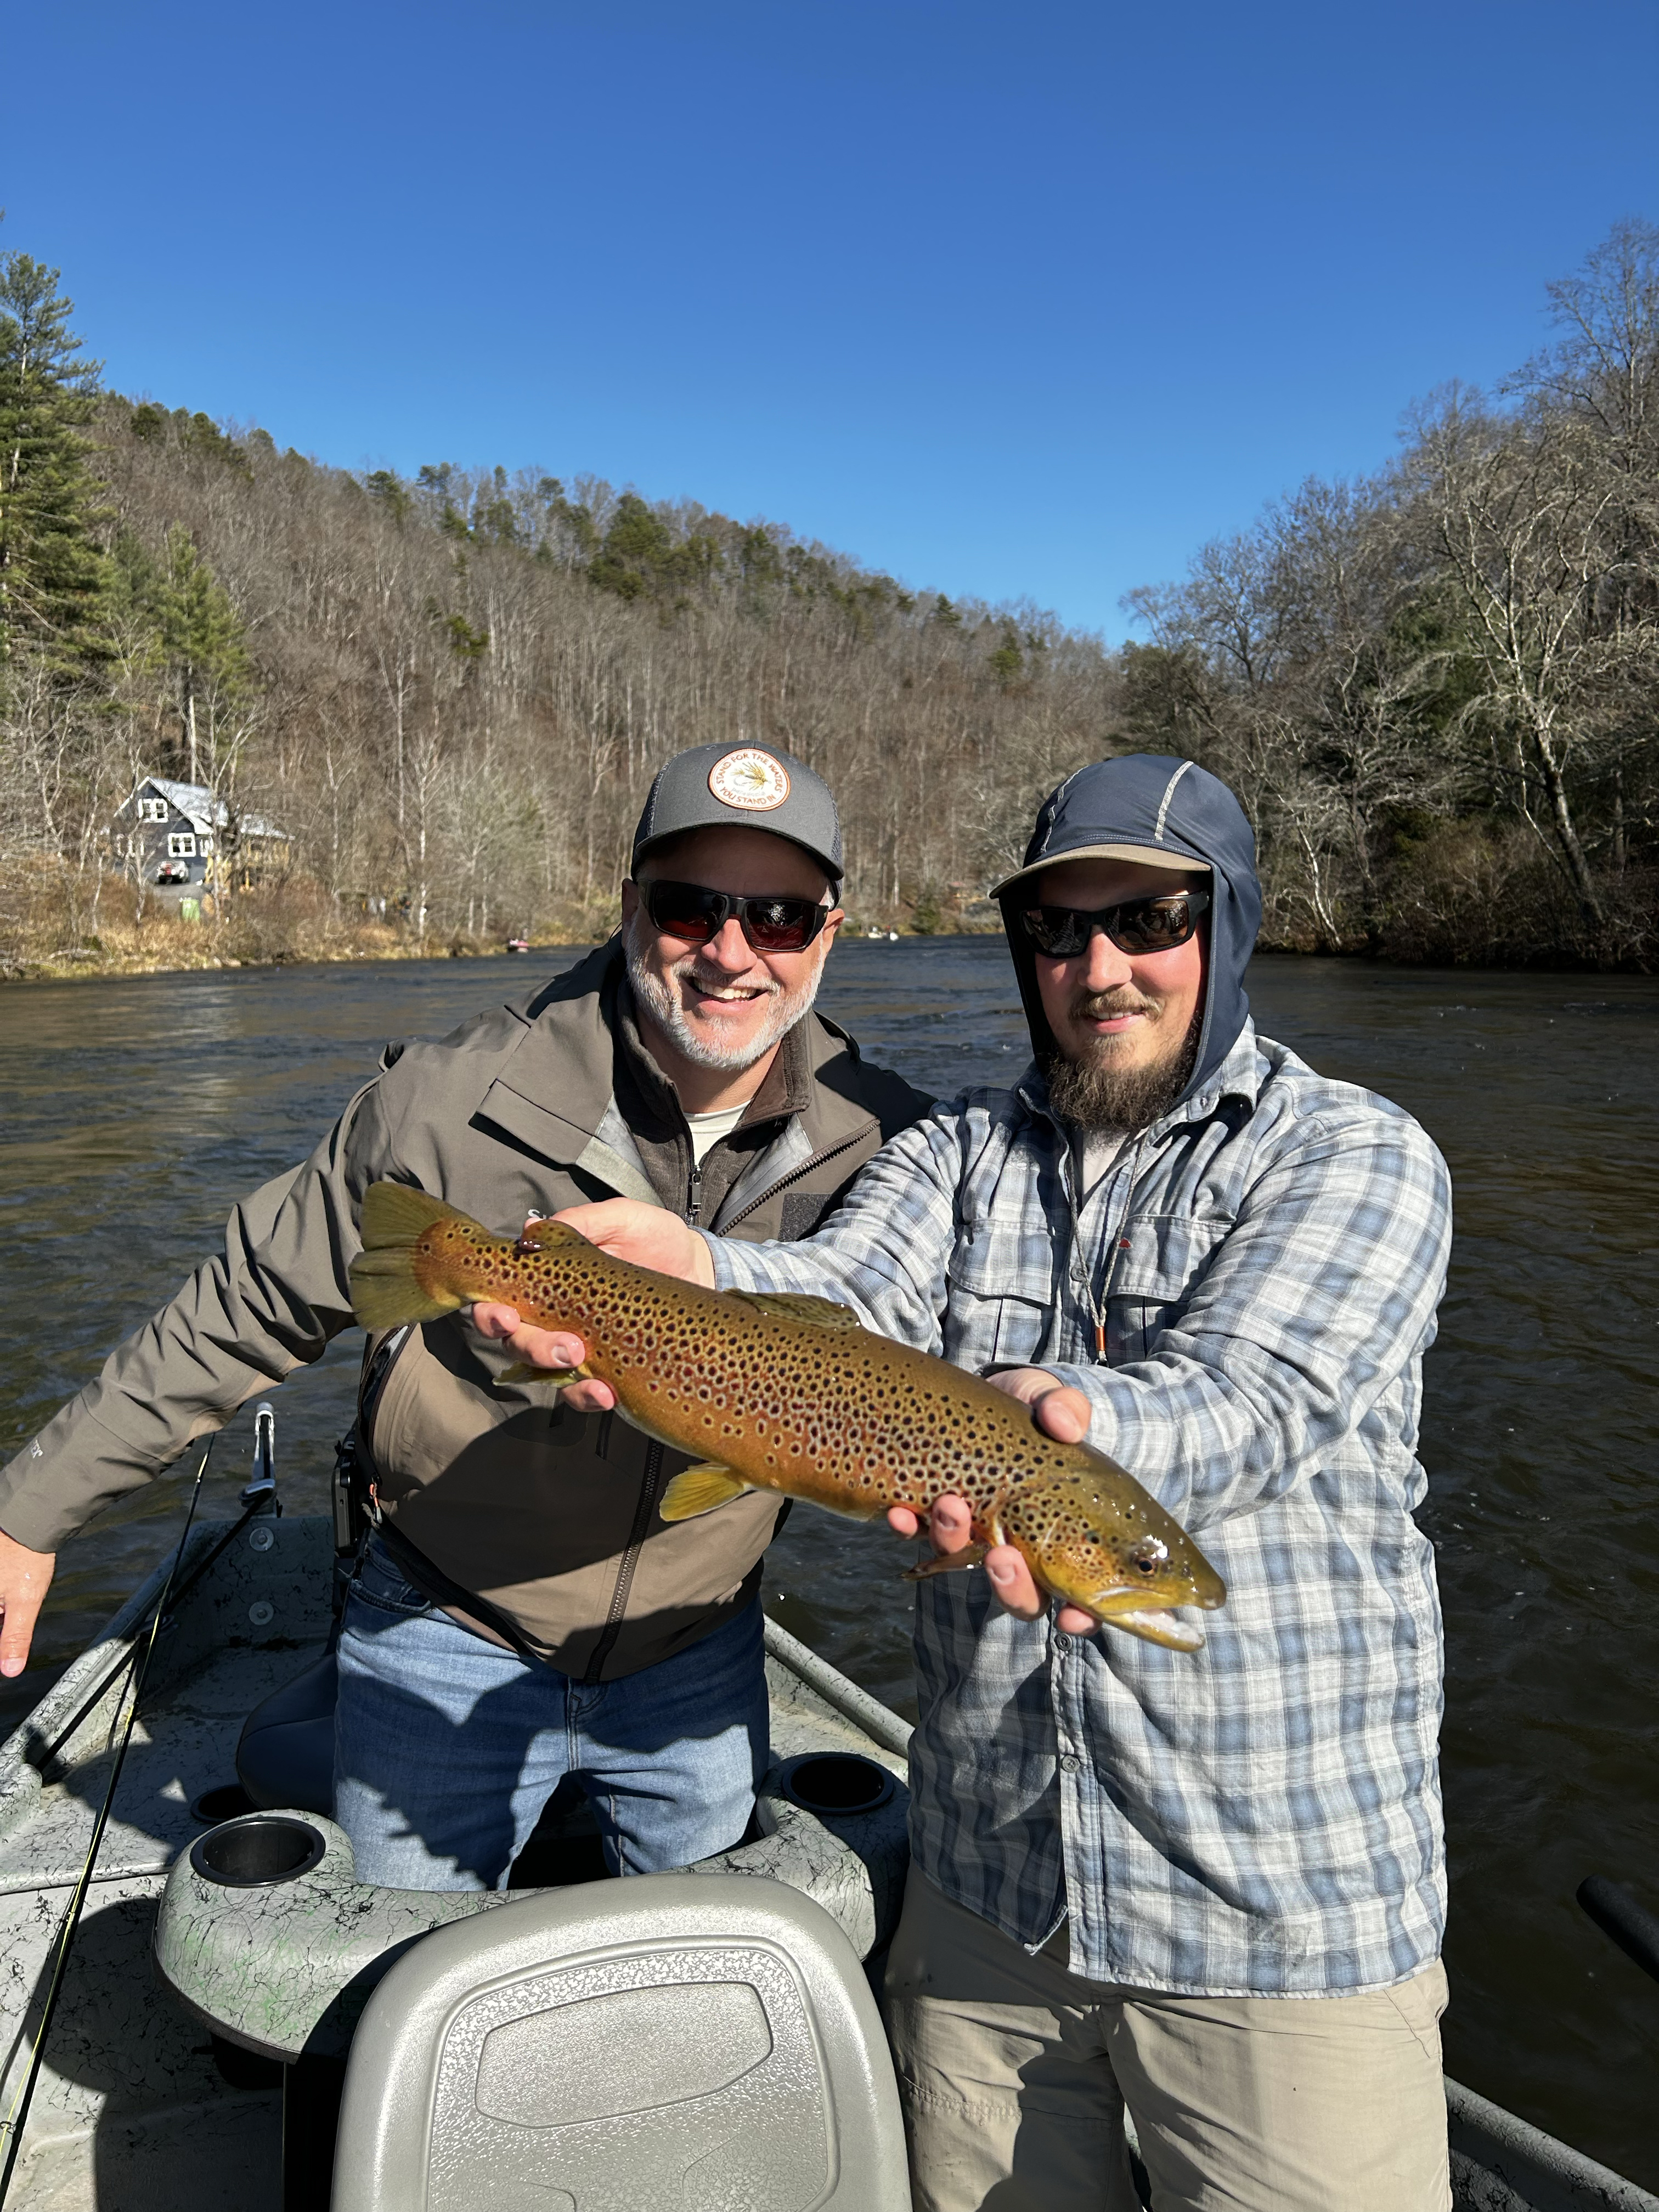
(1135,807)
(742,787)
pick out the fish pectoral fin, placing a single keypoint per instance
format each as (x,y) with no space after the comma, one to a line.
(946,1563)
(796,1305)
(560,1377)
(699,1490)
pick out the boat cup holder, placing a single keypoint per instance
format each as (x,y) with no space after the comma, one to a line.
(831,1783)
(265,1847)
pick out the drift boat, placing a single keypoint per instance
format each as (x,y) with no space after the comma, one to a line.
(241,2026)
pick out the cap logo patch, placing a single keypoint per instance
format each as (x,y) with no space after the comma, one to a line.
(750,778)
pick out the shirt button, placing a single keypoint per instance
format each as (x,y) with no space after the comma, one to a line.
(1070,1763)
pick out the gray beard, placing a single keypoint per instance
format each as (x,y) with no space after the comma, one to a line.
(661,1002)
(1096,1096)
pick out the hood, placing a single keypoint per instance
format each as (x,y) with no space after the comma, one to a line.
(1156,804)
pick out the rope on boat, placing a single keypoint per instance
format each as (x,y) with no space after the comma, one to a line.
(137,1662)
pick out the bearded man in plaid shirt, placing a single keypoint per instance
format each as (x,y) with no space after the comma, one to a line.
(1207,1889)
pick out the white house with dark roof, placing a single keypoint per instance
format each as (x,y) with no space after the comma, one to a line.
(172,832)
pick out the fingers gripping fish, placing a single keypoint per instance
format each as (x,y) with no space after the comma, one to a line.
(794,1394)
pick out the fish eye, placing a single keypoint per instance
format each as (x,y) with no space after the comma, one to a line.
(1148,1556)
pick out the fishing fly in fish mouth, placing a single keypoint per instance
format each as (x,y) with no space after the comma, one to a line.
(793,1394)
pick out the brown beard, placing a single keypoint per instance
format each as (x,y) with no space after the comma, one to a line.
(1098,1093)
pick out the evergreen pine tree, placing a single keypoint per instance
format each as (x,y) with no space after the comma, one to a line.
(201,640)
(52,571)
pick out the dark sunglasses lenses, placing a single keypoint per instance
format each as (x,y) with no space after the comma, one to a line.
(1153,925)
(779,925)
(771,924)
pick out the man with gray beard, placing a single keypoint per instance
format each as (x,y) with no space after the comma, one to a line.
(519,1621)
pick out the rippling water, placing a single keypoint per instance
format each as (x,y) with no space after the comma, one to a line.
(137,1110)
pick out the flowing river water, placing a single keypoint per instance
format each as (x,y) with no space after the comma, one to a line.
(138,1110)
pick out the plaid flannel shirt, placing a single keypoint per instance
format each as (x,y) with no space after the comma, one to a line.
(1261,1818)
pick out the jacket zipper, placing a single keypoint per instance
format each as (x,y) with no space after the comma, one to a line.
(653,1457)
(643,1512)
(793,1175)
(649,1485)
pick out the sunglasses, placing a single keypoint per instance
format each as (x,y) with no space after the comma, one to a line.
(1143,925)
(771,924)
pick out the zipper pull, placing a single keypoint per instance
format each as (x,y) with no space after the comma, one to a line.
(694,1196)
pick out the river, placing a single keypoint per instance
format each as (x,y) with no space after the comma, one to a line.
(137,1110)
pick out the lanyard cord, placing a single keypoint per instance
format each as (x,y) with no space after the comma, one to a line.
(1098,1307)
(138,1664)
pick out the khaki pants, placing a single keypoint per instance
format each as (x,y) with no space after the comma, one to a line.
(1015,2074)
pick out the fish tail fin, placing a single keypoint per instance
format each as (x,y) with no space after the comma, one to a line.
(700,1490)
(385,1292)
(396,1213)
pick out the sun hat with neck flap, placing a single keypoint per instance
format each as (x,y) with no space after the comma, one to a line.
(742,786)
(1164,813)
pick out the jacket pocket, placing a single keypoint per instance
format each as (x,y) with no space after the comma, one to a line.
(994,1313)
(1160,1260)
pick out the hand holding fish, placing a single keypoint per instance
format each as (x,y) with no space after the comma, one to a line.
(1060,1412)
(644,1235)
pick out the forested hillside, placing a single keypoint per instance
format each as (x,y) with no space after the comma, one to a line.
(1436,690)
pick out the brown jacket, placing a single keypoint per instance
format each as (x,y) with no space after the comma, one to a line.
(549,1515)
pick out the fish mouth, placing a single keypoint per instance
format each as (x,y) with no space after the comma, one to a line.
(1140,1613)
(1153,1624)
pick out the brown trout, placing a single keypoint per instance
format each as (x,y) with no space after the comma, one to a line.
(792,1394)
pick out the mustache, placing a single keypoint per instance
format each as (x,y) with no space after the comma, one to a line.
(691,970)
(1110,1005)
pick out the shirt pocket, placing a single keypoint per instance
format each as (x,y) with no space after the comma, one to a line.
(996,1311)
(1160,1260)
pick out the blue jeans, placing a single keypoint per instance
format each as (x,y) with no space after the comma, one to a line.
(447,1748)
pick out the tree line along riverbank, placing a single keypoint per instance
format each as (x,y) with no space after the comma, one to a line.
(422,713)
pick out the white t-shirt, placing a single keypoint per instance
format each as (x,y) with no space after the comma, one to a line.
(707,1129)
(1095,1153)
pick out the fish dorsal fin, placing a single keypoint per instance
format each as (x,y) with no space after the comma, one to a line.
(396,1213)
(551,1233)
(699,1490)
(795,1305)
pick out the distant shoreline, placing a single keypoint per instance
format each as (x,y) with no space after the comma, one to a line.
(98,967)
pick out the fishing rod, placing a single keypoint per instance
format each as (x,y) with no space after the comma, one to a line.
(137,1662)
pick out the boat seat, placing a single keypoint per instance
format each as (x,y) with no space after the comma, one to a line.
(707,2041)
(285,1754)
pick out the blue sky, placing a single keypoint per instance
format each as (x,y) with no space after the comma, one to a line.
(1010,302)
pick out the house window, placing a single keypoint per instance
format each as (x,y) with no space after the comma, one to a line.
(152,810)
(181,846)
(204,845)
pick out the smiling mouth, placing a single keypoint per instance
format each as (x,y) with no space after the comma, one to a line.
(726,995)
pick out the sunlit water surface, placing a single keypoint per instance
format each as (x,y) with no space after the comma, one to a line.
(137,1110)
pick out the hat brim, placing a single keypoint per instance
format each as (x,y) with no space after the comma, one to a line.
(1156,856)
(836,876)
